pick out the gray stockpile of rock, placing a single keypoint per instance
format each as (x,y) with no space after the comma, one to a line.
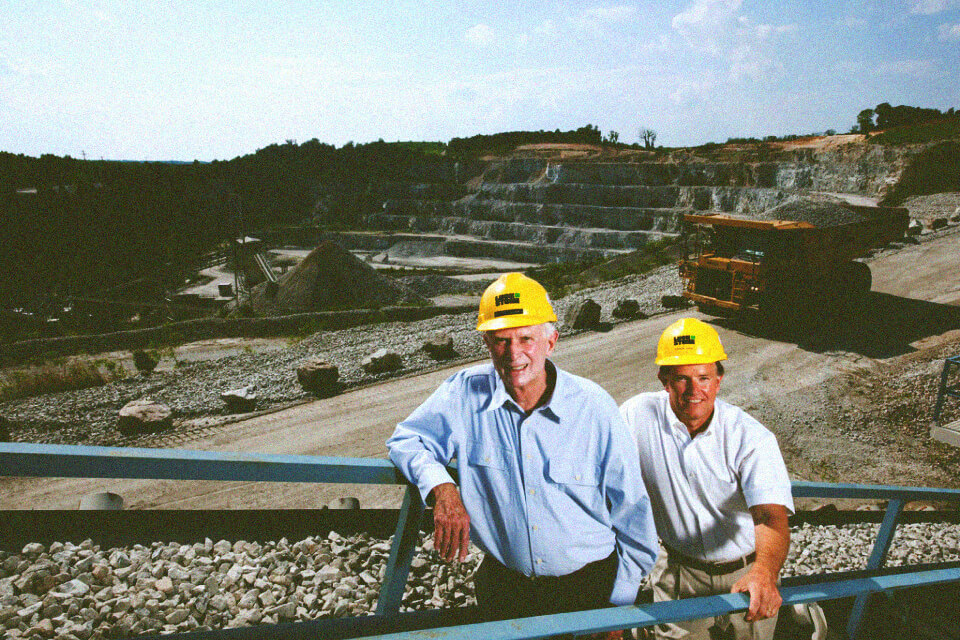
(329,278)
(821,212)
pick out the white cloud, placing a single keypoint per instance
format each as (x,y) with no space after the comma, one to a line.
(546,29)
(931,7)
(949,32)
(920,69)
(854,22)
(28,67)
(601,16)
(692,93)
(480,35)
(706,22)
(716,28)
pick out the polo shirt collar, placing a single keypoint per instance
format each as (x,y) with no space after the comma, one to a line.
(676,424)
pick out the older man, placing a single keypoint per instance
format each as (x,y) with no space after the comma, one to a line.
(550,486)
(718,485)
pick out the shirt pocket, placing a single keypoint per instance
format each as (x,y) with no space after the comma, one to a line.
(578,482)
(720,493)
(488,457)
(579,474)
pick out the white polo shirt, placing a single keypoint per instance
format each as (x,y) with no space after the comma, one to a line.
(701,488)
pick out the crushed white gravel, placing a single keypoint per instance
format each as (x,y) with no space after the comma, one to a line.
(85,592)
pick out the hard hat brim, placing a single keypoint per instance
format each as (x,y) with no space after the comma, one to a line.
(512,322)
(690,359)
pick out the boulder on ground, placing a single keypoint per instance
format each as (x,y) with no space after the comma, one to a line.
(440,347)
(938,223)
(381,361)
(343,503)
(582,315)
(144,416)
(240,400)
(627,308)
(101,501)
(915,228)
(674,302)
(145,361)
(319,377)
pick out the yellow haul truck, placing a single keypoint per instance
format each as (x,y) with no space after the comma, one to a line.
(788,260)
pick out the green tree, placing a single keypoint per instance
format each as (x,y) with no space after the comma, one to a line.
(865,120)
(648,137)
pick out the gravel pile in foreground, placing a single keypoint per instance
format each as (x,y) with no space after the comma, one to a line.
(193,392)
(69,591)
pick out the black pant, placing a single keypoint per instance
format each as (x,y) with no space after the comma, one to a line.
(503,593)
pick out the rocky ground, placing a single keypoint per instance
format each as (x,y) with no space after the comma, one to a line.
(193,390)
(84,592)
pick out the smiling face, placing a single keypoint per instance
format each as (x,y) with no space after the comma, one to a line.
(692,389)
(519,355)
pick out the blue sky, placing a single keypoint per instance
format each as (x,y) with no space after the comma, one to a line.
(166,80)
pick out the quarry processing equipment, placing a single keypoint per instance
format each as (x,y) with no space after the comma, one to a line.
(791,258)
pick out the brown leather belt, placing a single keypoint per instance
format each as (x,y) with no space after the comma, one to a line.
(711,568)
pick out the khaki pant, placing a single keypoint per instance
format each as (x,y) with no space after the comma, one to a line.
(673,581)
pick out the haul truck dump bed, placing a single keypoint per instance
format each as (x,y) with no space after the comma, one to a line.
(788,257)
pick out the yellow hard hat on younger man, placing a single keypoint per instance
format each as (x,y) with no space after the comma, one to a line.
(514,300)
(689,341)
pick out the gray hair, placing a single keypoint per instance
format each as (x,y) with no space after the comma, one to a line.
(548,330)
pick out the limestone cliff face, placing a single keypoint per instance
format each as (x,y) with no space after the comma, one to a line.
(581,206)
(866,170)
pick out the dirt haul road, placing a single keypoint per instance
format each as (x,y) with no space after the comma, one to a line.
(915,300)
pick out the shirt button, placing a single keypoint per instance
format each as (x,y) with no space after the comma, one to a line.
(533,492)
(534,527)
(579,476)
(539,561)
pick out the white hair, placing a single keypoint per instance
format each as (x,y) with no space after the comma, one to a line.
(548,330)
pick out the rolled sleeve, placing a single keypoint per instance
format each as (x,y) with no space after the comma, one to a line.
(422,445)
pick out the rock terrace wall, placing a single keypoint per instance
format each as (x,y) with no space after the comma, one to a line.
(573,209)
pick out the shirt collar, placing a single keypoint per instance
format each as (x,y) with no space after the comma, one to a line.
(500,396)
(676,424)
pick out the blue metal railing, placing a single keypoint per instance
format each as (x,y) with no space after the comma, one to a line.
(33,460)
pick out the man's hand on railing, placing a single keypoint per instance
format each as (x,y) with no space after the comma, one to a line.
(765,598)
(772,532)
(451,524)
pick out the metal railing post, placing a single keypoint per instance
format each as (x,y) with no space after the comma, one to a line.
(878,558)
(945,390)
(401,553)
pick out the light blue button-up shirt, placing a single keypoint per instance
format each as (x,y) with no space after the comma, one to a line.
(547,493)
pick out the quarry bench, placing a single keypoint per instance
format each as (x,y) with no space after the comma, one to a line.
(34,460)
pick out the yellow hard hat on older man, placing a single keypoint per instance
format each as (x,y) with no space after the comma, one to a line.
(689,341)
(514,300)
